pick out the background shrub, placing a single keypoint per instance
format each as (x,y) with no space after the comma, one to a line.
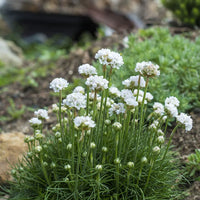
(186,10)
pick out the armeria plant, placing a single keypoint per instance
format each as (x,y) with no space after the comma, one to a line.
(103,146)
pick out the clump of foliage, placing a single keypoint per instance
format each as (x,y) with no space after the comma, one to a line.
(104,145)
(186,10)
(178,58)
(193,164)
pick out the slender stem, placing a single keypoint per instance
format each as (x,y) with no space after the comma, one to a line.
(98,186)
(60,102)
(169,142)
(149,174)
(140,173)
(87,111)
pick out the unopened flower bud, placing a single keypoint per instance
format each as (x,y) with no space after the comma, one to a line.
(161,139)
(55,108)
(66,120)
(92,145)
(117,161)
(144,160)
(104,149)
(57,134)
(156,150)
(160,132)
(130,164)
(38,149)
(84,153)
(117,126)
(60,140)
(30,154)
(53,165)
(45,164)
(69,146)
(107,122)
(63,109)
(13,172)
(67,167)
(65,179)
(99,167)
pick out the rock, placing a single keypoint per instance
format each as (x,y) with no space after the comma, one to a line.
(12,147)
(10,54)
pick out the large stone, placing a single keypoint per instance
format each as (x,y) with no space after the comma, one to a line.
(10,54)
(12,147)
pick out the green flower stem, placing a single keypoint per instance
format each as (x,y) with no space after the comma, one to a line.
(104,71)
(94,104)
(128,180)
(91,158)
(79,148)
(44,171)
(116,144)
(141,120)
(60,114)
(166,125)
(140,173)
(149,174)
(87,109)
(117,180)
(98,186)
(169,142)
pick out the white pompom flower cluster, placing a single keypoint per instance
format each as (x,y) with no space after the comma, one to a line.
(147,69)
(87,70)
(96,83)
(84,122)
(133,81)
(58,84)
(185,121)
(41,114)
(75,100)
(111,58)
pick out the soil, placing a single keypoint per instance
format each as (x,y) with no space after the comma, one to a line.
(184,143)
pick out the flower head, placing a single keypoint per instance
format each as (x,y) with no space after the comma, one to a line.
(171,110)
(131,102)
(172,100)
(84,122)
(158,108)
(185,120)
(117,108)
(97,82)
(147,69)
(79,89)
(41,114)
(58,84)
(108,57)
(75,100)
(114,91)
(87,70)
(133,81)
(125,93)
(35,121)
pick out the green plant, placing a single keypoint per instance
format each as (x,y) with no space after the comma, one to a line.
(103,146)
(186,10)
(14,112)
(193,164)
(178,58)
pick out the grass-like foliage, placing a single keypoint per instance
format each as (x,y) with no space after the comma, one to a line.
(103,146)
(178,58)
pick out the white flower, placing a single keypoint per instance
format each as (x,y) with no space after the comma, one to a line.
(185,120)
(144,160)
(158,108)
(114,91)
(140,99)
(79,89)
(117,161)
(84,122)
(125,94)
(41,114)
(108,57)
(75,100)
(117,108)
(58,84)
(148,96)
(171,110)
(67,167)
(131,102)
(172,100)
(104,149)
(39,135)
(69,146)
(55,108)
(97,82)
(133,81)
(161,139)
(141,93)
(147,69)
(35,121)
(87,70)
(57,134)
